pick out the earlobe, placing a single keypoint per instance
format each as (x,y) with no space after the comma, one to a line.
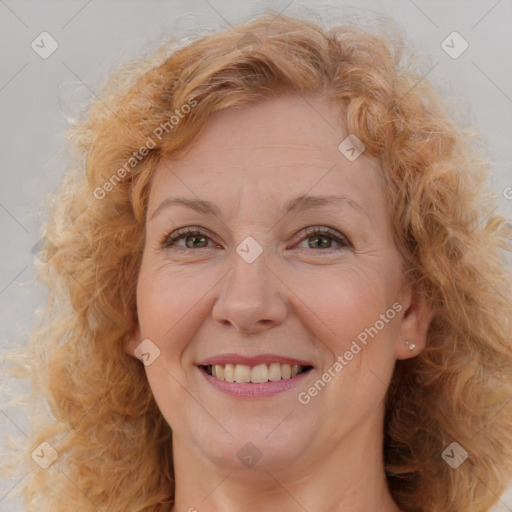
(132,341)
(414,325)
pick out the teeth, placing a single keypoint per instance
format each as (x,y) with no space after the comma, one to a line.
(242,373)
(257,374)
(219,371)
(229,372)
(274,372)
(286,371)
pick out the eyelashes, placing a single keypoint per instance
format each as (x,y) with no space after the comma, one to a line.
(200,239)
(170,240)
(318,232)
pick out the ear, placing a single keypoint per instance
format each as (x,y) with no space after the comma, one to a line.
(414,325)
(132,341)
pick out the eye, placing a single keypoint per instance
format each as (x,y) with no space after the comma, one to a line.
(322,238)
(192,236)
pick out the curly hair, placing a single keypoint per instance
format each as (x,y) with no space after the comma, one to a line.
(113,444)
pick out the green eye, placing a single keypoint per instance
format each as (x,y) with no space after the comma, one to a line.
(192,236)
(323,237)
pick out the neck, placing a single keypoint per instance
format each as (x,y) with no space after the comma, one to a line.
(349,478)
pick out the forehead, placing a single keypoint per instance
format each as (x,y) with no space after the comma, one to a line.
(283,147)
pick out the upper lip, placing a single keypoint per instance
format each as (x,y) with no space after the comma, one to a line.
(252,360)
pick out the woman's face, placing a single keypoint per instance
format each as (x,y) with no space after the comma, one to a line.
(290,267)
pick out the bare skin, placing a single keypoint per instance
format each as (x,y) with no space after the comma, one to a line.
(305,296)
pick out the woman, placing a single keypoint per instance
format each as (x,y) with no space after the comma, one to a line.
(274,287)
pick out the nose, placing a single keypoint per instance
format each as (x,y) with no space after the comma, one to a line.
(250,299)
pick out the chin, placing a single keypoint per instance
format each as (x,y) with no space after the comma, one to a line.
(259,447)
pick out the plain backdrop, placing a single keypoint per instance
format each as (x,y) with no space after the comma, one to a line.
(37,95)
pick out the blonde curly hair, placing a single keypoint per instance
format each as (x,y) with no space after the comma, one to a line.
(113,444)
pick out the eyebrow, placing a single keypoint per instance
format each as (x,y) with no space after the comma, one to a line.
(298,204)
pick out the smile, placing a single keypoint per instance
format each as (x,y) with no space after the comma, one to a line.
(258,374)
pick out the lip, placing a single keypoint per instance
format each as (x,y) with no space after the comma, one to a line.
(252,360)
(252,390)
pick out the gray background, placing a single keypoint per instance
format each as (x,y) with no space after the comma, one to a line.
(37,95)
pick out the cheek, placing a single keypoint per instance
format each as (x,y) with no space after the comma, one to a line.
(346,301)
(169,297)
(169,305)
(352,317)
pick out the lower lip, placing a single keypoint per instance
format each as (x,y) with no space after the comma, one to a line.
(251,390)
